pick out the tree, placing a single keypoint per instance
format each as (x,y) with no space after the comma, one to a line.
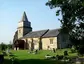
(3,46)
(72,21)
(10,45)
(77,38)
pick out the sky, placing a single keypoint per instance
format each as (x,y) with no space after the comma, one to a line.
(40,16)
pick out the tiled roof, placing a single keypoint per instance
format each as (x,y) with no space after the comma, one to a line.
(42,33)
(35,34)
(52,33)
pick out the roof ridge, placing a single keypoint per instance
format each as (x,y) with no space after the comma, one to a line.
(45,32)
(40,30)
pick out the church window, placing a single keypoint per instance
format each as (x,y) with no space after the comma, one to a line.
(51,41)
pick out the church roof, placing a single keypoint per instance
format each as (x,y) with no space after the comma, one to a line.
(42,33)
(51,33)
(24,17)
(35,34)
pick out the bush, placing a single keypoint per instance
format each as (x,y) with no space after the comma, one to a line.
(73,49)
(11,54)
(4,53)
(3,46)
(80,50)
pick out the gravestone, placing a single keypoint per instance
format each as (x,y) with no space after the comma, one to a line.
(54,50)
(36,51)
(16,48)
(8,51)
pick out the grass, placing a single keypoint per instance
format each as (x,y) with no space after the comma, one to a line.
(22,56)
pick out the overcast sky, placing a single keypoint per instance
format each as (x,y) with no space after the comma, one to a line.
(40,16)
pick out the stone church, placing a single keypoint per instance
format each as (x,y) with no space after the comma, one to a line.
(26,38)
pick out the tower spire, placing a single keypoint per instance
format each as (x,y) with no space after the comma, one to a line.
(24,26)
(24,17)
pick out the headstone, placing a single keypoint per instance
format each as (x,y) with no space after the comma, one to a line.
(78,61)
(48,56)
(54,50)
(17,48)
(65,53)
(8,51)
(36,51)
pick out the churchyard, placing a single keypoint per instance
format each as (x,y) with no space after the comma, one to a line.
(39,57)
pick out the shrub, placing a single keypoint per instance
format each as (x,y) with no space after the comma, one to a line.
(80,50)
(73,49)
(3,46)
(4,53)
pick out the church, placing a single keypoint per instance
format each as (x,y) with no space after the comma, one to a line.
(26,38)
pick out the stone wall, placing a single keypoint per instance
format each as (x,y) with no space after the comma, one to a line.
(47,45)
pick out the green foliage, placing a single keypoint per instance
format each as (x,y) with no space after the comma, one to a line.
(9,46)
(4,53)
(72,21)
(71,10)
(73,50)
(80,50)
(3,46)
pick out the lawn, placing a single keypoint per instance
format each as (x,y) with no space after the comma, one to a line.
(23,57)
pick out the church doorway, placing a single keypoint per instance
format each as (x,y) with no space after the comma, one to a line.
(19,44)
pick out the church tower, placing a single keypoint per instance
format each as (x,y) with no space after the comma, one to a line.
(24,26)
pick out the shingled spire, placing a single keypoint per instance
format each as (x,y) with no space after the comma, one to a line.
(24,26)
(24,17)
